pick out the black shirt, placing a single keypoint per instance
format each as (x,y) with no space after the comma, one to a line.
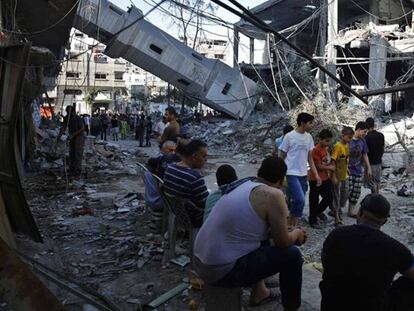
(74,123)
(375,141)
(360,263)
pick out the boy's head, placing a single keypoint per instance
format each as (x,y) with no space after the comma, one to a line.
(375,210)
(272,171)
(305,121)
(287,129)
(225,175)
(360,130)
(370,122)
(347,134)
(325,138)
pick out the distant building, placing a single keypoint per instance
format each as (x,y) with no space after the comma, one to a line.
(94,81)
(216,48)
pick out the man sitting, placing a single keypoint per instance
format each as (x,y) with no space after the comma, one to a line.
(225,175)
(360,263)
(229,251)
(157,167)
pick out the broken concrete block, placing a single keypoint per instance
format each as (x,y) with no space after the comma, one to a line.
(395,160)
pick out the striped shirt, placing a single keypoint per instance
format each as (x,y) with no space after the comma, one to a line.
(186,183)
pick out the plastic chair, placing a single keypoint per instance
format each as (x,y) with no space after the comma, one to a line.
(178,216)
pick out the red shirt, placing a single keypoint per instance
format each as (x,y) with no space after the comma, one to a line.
(320,156)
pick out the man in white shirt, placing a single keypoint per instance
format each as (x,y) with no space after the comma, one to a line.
(296,150)
(160,127)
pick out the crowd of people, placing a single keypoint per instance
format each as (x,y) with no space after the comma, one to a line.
(249,228)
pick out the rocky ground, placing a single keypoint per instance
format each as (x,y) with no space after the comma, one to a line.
(96,228)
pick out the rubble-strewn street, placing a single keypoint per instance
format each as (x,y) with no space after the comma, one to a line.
(96,228)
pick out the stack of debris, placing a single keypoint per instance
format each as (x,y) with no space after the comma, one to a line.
(244,139)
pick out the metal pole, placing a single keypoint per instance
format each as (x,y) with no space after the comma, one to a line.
(249,17)
(392,89)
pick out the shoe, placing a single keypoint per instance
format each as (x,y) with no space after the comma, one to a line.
(331,213)
(322,217)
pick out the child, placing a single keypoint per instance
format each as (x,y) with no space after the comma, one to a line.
(296,151)
(279,140)
(358,156)
(322,160)
(340,158)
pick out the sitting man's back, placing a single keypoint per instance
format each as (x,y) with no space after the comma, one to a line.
(232,248)
(360,263)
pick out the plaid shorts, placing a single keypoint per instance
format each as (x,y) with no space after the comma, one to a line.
(355,186)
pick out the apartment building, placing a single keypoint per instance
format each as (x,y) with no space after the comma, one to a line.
(90,79)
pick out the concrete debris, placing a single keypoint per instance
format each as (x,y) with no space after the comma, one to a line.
(182,260)
(235,137)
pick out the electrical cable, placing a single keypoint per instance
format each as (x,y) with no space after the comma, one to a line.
(271,70)
(291,77)
(248,16)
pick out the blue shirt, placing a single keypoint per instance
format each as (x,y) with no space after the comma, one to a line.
(186,183)
(357,148)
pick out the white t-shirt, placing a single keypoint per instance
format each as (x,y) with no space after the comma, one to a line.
(297,147)
(160,127)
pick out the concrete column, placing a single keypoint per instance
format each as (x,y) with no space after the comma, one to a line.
(236,40)
(331,50)
(377,70)
(251,50)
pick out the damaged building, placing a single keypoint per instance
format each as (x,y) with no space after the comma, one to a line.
(367,44)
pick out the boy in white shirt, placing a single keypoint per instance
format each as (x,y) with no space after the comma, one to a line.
(296,150)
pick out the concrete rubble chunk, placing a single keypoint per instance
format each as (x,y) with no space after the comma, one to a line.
(395,160)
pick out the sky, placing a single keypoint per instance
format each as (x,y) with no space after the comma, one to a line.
(160,20)
(164,22)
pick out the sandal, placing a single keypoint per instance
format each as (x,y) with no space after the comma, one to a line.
(338,223)
(273,296)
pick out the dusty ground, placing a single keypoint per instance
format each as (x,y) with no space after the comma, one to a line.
(112,250)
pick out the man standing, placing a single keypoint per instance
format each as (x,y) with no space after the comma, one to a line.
(376,143)
(140,129)
(172,131)
(296,150)
(75,125)
(360,263)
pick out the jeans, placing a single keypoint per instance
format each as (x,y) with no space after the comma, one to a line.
(264,262)
(297,185)
(317,207)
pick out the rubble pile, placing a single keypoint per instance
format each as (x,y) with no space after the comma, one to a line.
(101,157)
(243,139)
(333,117)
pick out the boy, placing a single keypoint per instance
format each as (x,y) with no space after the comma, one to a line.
(358,156)
(340,158)
(279,140)
(376,143)
(322,160)
(296,151)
